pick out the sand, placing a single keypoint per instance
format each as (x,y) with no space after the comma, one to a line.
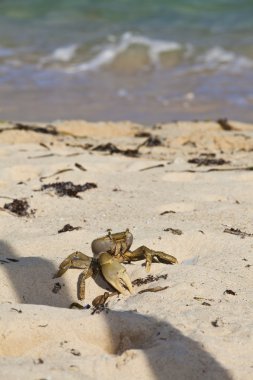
(200,326)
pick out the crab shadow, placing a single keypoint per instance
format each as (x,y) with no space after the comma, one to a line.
(148,348)
(29,279)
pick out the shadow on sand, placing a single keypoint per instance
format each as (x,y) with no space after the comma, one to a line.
(31,278)
(166,352)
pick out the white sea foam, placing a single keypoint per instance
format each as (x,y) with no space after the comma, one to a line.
(114,48)
(62,54)
(219,58)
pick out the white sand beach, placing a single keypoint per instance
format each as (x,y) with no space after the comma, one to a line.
(201,212)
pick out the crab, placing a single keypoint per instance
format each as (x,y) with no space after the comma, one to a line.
(109,252)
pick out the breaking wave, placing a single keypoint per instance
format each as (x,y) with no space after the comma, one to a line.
(216,58)
(186,58)
(114,48)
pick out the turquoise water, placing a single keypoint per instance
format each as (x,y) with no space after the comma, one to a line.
(145,61)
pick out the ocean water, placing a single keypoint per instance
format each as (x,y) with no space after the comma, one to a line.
(145,61)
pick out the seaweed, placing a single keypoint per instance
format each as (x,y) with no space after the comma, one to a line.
(202,299)
(17,310)
(217,322)
(250,168)
(38,361)
(56,173)
(246,168)
(42,156)
(19,207)
(68,188)
(80,167)
(131,152)
(44,146)
(152,167)
(76,305)
(148,279)
(111,148)
(153,290)
(174,231)
(229,291)
(68,227)
(82,146)
(49,129)
(142,134)
(199,161)
(208,155)
(225,125)
(75,352)
(152,141)
(236,231)
(168,212)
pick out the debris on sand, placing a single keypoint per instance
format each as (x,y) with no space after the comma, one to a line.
(19,207)
(68,188)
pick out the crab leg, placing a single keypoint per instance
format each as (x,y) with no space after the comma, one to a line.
(115,273)
(147,253)
(88,272)
(74,260)
(78,260)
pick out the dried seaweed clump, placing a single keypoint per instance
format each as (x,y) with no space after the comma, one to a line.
(175,231)
(111,148)
(68,227)
(199,161)
(153,141)
(18,206)
(68,188)
(148,279)
(236,231)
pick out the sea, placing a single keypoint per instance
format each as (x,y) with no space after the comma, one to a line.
(145,61)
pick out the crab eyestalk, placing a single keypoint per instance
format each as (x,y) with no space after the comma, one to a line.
(115,273)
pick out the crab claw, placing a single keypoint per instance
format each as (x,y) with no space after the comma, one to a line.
(115,273)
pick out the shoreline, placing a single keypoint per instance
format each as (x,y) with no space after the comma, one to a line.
(192,177)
